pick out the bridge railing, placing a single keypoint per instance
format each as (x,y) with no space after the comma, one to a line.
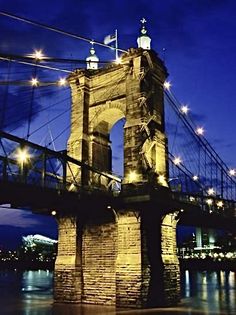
(24,162)
(186,189)
(207,204)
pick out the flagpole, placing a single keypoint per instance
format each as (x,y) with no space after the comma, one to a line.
(116,45)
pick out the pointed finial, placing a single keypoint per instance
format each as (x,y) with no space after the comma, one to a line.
(143,20)
(92,50)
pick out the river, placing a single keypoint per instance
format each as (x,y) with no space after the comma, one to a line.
(30,293)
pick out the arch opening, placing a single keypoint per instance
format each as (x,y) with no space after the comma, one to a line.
(107,142)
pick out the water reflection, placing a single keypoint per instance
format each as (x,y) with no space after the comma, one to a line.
(30,293)
(210,291)
(26,293)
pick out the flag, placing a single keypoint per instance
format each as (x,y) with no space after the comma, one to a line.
(109,39)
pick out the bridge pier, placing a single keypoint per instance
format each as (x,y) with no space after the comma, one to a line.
(171,271)
(129,273)
(68,266)
(127,259)
(147,266)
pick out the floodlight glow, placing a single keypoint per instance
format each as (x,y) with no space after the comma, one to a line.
(161,179)
(118,60)
(195,178)
(133,176)
(72,187)
(53,213)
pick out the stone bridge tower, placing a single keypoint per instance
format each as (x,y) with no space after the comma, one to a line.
(124,255)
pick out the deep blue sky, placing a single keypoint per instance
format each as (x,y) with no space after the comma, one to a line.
(200,51)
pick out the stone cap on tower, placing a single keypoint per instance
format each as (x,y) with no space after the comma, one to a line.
(92,60)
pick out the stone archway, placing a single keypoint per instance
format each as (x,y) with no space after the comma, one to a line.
(132,89)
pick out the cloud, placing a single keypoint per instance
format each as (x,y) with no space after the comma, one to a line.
(24,219)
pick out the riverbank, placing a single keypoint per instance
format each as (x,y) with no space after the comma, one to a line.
(207,264)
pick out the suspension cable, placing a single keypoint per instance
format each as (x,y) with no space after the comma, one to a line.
(50,28)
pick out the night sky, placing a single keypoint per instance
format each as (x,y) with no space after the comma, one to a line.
(196,38)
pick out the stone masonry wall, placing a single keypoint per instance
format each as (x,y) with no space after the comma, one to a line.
(99,259)
(171,274)
(67,274)
(129,264)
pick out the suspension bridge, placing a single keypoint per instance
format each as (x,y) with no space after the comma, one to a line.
(55,155)
(33,107)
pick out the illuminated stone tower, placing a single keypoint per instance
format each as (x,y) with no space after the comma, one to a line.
(123,255)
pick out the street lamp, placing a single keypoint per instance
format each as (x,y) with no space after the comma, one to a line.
(22,156)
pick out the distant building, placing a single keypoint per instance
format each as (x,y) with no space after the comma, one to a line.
(37,239)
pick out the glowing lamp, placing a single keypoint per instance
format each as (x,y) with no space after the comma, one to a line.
(53,213)
(34,82)
(232,172)
(38,55)
(209,202)
(195,178)
(22,156)
(220,204)
(200,131)
(177,161)
(184,109)
(167,85)
(62,82)
(211,191)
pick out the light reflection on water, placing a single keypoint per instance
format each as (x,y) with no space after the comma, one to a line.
(30,293)
(211,290)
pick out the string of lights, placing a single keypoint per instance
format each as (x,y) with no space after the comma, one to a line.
(197,151)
